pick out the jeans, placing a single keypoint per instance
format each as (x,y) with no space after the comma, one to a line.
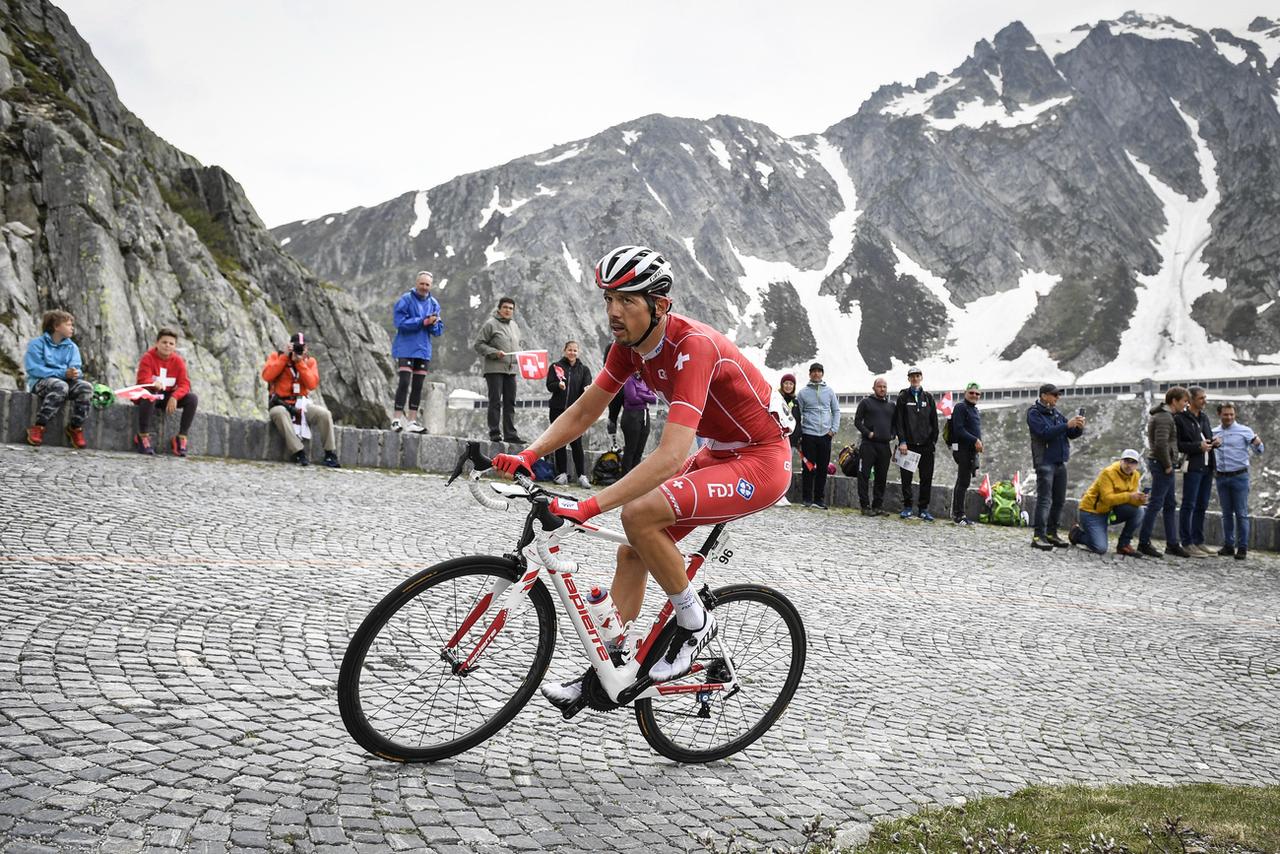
(813,481)
(1163,504)
(1094,526)
(1051,494)
(1197,486)
(1233,495)
(925,470)
(502,402)
(874,455)
(967,466)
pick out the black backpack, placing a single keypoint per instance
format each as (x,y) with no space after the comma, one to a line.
(608,469)
(847,459)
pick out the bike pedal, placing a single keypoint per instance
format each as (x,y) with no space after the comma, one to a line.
(570,711)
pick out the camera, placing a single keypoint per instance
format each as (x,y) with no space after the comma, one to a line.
(298,347)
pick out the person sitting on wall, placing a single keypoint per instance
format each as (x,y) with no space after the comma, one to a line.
(166,372)
(291,375)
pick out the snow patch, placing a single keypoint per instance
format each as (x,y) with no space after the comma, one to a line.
(630,136)
(575,269)
(1261,308)
(1232,53)
(799,170)
(559,158)
(717,148)
(329,220)
(975,114)
(495,206)
(422,212)
(765,171)
(688,244)
(440,285)
(687,147)
(448,251)
(1149,28)
(474,301)
(492,255)
(916,103)
(997,82)
(658,199)
(1056,44)
(286,241)
(543,191)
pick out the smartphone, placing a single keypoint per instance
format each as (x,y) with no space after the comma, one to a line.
(1080,412)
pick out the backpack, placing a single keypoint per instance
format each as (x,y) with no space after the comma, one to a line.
(608,469)
(847,459)
(1005,508)
(946,432)
(543,469)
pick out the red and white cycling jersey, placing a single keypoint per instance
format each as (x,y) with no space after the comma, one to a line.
(704,378)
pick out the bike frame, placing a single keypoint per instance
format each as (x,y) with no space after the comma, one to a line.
(542,554)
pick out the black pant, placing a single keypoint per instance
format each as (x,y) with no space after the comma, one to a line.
(502,396)
(966,465)
(873,455)
(562,455)
(417,369)
(615,407)
(813,481)
(635,435)
(925,470)
(188,404)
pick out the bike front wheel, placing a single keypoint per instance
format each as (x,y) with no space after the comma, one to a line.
(761,641)
(401,691)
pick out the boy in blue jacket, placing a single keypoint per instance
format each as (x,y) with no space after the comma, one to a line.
(54,373)
(417,320)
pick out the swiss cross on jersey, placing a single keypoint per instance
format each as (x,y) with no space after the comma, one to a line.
(533,364)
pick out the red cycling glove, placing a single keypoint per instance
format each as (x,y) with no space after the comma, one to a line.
(575,511)
(512,463)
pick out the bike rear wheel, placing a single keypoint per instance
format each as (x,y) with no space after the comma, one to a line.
(400,692)
(760,634)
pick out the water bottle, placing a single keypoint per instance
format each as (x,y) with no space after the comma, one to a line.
(605,616)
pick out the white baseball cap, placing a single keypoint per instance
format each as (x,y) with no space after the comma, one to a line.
(1131,454)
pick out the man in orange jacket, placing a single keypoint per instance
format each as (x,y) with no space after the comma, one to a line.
(291,375)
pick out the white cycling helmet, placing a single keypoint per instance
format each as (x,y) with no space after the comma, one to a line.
(634,269)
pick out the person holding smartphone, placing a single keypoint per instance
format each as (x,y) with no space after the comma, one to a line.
(1051,436)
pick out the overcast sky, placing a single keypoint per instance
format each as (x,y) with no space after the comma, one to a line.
(319,106)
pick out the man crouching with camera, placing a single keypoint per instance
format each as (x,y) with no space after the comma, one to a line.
(291,375)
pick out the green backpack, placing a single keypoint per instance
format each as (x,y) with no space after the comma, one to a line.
(1004,508)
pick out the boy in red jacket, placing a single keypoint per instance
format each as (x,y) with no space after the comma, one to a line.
(166,372)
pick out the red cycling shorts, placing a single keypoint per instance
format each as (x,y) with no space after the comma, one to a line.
(720,485)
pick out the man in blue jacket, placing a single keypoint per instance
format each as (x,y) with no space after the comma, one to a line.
(54,373)
(966,446)
(417,320)
(1051,435)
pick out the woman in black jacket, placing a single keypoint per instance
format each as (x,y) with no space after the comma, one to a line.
(567,380)
(787,388)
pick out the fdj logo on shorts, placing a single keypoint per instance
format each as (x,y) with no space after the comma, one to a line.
(746,488)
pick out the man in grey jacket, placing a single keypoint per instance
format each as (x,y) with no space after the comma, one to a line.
(819,413)
(497,341)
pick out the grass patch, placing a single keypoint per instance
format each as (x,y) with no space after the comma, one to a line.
(213,234)
(47,81)
(1205,816)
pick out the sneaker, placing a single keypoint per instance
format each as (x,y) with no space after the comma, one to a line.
(1241,554)
(331,460)
(75,435)
(396,425)
(1128,551)
(684,649)
(562,479)
(1178,551)
(820,505)
(142,441)
(964,522)
(566,696)
(1056,542)
(806,504)
(414,427)
(35,435)
(583,482)
(1073,536)
(1041,542)
(1227,551)
(1148,550)
(1200,547)
(906,513)
(301,458)
(1195,551)
(925,516)
(179,445)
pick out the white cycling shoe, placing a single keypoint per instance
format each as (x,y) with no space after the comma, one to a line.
(684,649)
(565,696)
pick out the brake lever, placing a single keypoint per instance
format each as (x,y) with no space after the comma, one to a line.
(479,462)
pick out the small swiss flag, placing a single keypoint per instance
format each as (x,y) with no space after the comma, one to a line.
(946,405)
(1017,485)
(985,489)
(533,364)
(136,392)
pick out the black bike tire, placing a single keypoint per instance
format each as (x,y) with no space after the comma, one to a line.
(353,717)
(650,727)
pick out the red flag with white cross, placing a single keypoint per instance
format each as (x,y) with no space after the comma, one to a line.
(533,364)
(946,405)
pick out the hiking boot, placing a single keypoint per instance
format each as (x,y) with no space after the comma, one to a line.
(301,458)
(75,435)
(566,696)
(1241,554)
(925,516)
(1227,551)
(561,479)
(1073,536)
(1149,550)
(142,442)
(396,425)
(414,427)
(1056,542)
(1128,551)
(35,435)
(331,460)
(906,513)
(684,649)
(1178,551)
(583,482)
(179,445)
(1041,542)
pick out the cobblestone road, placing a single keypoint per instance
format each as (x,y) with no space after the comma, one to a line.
(171,633)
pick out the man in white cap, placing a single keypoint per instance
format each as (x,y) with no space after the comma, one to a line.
(1114,491)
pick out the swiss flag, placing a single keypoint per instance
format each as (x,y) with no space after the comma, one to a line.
(985,489)
(946,405)
(1017,485)
(533,364)
(136,392)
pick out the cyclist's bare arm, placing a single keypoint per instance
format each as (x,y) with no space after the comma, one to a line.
(664,462)
(573,422)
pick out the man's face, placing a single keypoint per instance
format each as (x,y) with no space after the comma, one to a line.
(628,315)
(571,351)
(914,379)
(423,285)
(1049,400)
(815,376)
(65,329)
(507,310)
(1227,416)
(1128,466)
(881,388)
(166,345)
(973,395)
(1178,404)
(1197,402)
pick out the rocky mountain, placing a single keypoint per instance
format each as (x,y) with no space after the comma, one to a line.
(1098,204)
(101,217)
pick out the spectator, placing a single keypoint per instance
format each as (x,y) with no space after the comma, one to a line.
(635,420)
(1234,441)
(166,372)
(54,373)
(915,423)
(819,421)
(417,320)
(966,447)
(615,405)
(874,419)
(291,375)
(497,341)
(566,381)
(1162,441)
(787,388)
(1114,492)
(1196,443)
(1051,435)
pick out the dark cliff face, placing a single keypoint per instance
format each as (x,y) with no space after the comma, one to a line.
(1102,202)
(103,218)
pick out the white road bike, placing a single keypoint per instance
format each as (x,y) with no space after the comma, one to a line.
(451,655)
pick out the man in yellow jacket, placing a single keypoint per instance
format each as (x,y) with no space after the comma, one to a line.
(1115,490)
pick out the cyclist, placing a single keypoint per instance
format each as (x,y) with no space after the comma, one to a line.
(713,392)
